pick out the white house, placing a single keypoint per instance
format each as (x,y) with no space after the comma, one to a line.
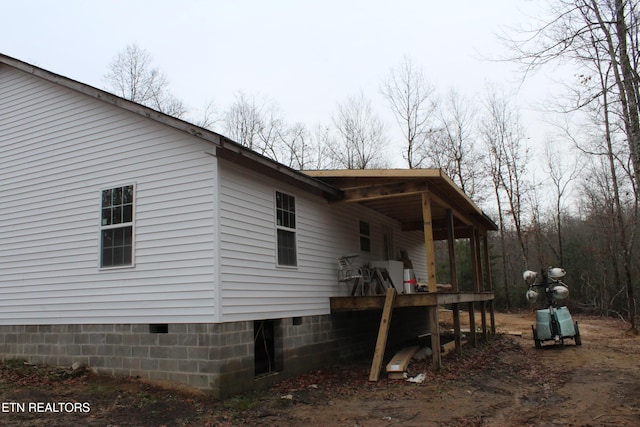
(139,244)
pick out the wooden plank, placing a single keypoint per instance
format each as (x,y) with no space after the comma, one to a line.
(447,348)
(383,332)
(400,362)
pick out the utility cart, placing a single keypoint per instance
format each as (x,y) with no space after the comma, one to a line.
(552,323)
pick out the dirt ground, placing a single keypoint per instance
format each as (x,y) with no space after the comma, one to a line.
(504,382)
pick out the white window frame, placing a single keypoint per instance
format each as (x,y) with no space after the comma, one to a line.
(288,229)
(105,227)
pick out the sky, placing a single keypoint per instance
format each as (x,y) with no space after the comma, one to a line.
(305,55)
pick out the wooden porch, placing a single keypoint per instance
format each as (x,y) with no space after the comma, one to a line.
(387,303)
(429,201)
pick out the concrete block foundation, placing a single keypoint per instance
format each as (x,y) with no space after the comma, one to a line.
(218,357)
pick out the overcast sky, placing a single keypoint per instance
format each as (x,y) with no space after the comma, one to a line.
(305,55)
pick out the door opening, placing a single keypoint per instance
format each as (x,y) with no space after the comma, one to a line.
(264,347)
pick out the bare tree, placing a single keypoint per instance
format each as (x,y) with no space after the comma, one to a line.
(256,124)
(259,125)
(322,139)
(453,147)
(412,100)
(361,135)
(507,158)
(562,171)
(602,36)
(209,117)
(244,121)
(296,147)
(132,76)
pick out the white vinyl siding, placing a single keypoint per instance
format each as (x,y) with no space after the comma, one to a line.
(251,285)
(205,240)
(59,151)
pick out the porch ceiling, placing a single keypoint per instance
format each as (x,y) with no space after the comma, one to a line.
(397,193)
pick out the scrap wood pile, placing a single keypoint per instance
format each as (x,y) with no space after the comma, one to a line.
(353,379)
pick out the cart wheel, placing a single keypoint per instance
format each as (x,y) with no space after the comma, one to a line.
(535,338)
(576,337)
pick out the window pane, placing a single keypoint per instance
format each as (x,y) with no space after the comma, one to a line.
(106,216)
(127,241)
(127,194)
(117,248)
(117,196)
(117,215)
(127,213)
(364,228)
(106,198)
(107,257)
(365,244)
(107,238)
(291,223)
(126,259)
(118,255)
(286,248)
(285,210)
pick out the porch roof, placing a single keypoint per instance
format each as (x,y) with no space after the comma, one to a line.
(397,193)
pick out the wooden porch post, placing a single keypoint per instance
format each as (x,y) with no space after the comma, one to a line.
(481,282)
(487,270)
(428,241)
(472,325)
(434,326)
(475,274)
(454,280)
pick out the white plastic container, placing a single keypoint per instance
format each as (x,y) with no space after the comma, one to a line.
(409,281)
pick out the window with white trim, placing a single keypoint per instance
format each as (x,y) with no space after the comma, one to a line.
(286,229)
(365,236)
(116,227)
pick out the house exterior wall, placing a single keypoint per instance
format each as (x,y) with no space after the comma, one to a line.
(59,150)
(252,286)
(204,250)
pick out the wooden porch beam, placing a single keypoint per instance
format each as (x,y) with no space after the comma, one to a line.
(420,299)
(383,191)
(456,212)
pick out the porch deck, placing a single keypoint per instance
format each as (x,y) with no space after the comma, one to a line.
(420,299)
